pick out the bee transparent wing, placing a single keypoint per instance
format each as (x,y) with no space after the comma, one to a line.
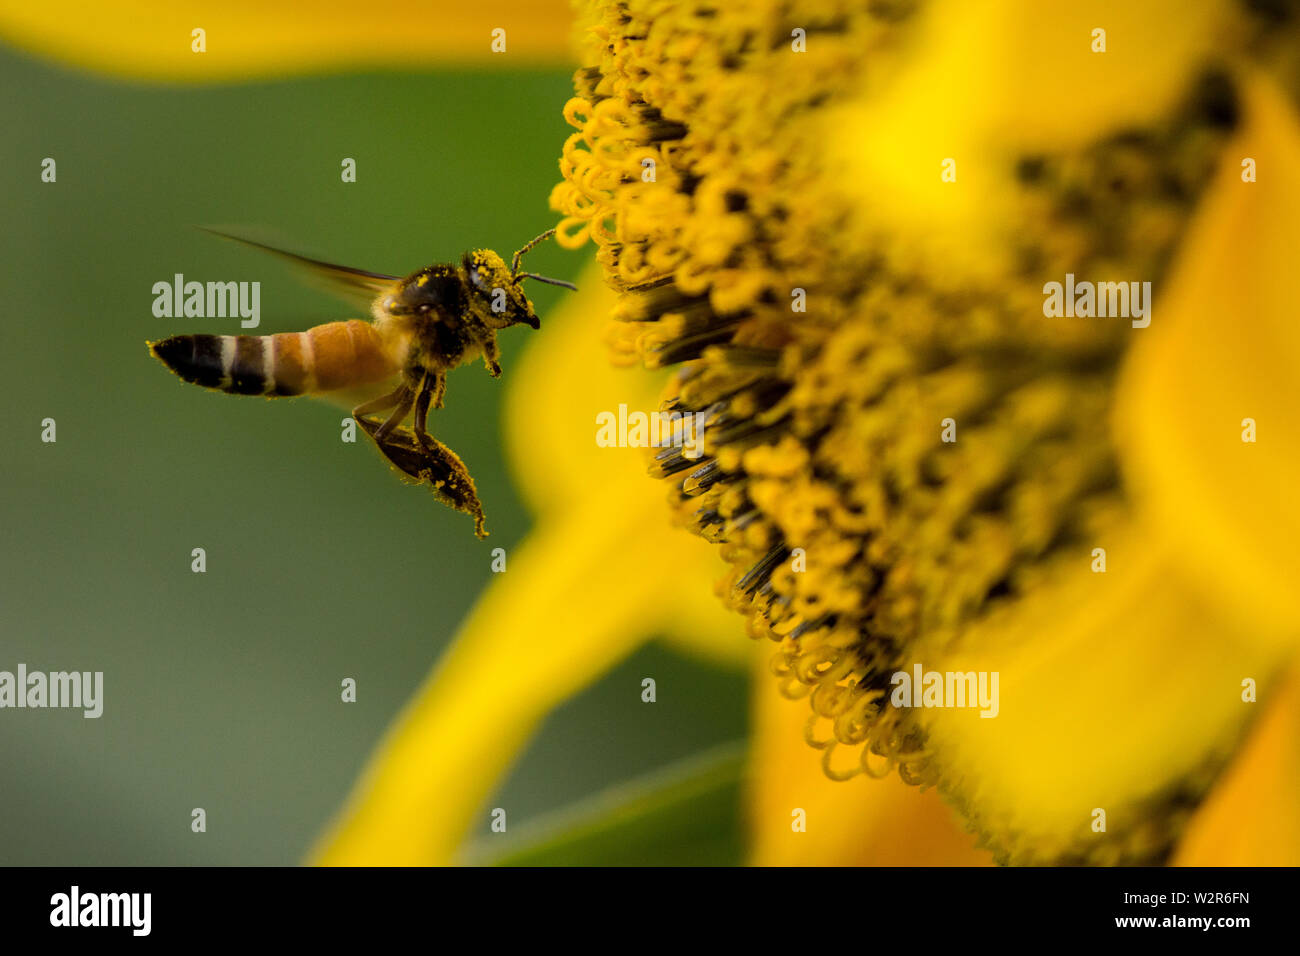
(355,285)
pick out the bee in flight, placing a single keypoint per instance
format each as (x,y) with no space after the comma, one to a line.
(422,327)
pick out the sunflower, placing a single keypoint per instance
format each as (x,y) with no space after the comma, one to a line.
(835,225)
(852,217)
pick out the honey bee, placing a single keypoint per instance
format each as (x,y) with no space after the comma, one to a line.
(421,327)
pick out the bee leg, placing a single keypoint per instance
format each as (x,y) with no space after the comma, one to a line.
(430,391)
(430,462)
(492,355)
(446,473)
(378,404)
(405,398)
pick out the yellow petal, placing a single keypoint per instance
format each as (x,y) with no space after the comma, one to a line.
(152,39)
(701,624)
(1253,816)
(1223,347)
(565,380)
(1118,691)
(574,600)
(983,83)
(1131,701)
(859,822)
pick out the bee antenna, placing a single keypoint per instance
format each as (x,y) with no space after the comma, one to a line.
(514,263)
(547,280)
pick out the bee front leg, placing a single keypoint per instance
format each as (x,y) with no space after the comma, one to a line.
(492,355)
(437,384)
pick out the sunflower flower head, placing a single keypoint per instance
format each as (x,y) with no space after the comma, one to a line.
(899,445)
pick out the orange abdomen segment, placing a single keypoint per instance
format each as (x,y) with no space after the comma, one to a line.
(324,358)
(344,354)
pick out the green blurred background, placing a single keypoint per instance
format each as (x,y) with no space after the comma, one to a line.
(222,689)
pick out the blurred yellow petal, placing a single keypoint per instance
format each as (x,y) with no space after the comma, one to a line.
(1119,691)
(600,574)
(1253,816)
(1223,347)
(985,81)
(859,822)
(702,625)
(564,382)
(1132,702)
(152,39)
(574,600)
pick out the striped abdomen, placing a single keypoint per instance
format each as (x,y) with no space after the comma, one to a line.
(330,356)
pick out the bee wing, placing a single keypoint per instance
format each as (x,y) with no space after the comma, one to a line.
(355,285)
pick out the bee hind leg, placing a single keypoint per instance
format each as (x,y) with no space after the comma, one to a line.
(398,397)
(452,481)
(405,400)
(430,462)
(420,456)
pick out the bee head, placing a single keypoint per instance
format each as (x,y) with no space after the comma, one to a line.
(498,287)
(494,292)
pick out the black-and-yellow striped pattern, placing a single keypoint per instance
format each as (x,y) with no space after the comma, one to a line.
(323,358)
